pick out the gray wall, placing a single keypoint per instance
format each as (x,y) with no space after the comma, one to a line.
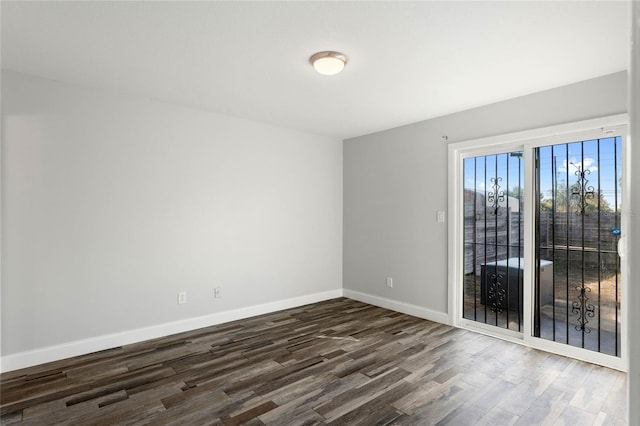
(112,204)
(396,180)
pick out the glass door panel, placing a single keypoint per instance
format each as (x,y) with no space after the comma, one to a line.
(578,280)
(494,240)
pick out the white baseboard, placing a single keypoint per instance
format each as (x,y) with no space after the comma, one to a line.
(405,308)
(86,346)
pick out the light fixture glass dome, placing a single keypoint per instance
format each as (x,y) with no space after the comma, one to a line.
(328,63)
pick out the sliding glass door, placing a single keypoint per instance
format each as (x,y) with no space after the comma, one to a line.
(537,242)
(578,219)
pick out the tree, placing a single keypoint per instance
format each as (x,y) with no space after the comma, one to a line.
(516,192)
(576,196)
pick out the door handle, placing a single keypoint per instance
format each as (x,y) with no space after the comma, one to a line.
(622,247)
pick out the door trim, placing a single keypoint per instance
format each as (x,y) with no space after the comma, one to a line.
(527,141)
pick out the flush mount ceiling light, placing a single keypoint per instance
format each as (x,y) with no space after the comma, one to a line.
(328,63)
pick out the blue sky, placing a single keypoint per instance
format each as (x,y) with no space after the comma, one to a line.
(602,161)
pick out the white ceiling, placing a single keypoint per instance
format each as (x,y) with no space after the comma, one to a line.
(408,61)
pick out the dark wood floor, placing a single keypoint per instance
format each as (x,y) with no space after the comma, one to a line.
(335,362)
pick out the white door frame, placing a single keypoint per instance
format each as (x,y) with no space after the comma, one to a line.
(526,141)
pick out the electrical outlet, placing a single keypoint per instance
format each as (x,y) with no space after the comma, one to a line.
(389,282)
(182,297)
(217,292)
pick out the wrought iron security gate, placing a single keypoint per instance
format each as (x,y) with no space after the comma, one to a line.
(494,240)
(578,280)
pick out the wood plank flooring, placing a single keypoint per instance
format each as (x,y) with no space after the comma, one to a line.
(335,362)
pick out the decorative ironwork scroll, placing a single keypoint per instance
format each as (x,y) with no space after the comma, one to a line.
(496,293)
(496,197)
(583,309)
(581,190)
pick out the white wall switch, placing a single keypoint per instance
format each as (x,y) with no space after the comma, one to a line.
(440,216)
(217,292)
(182,297)
(389,282)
